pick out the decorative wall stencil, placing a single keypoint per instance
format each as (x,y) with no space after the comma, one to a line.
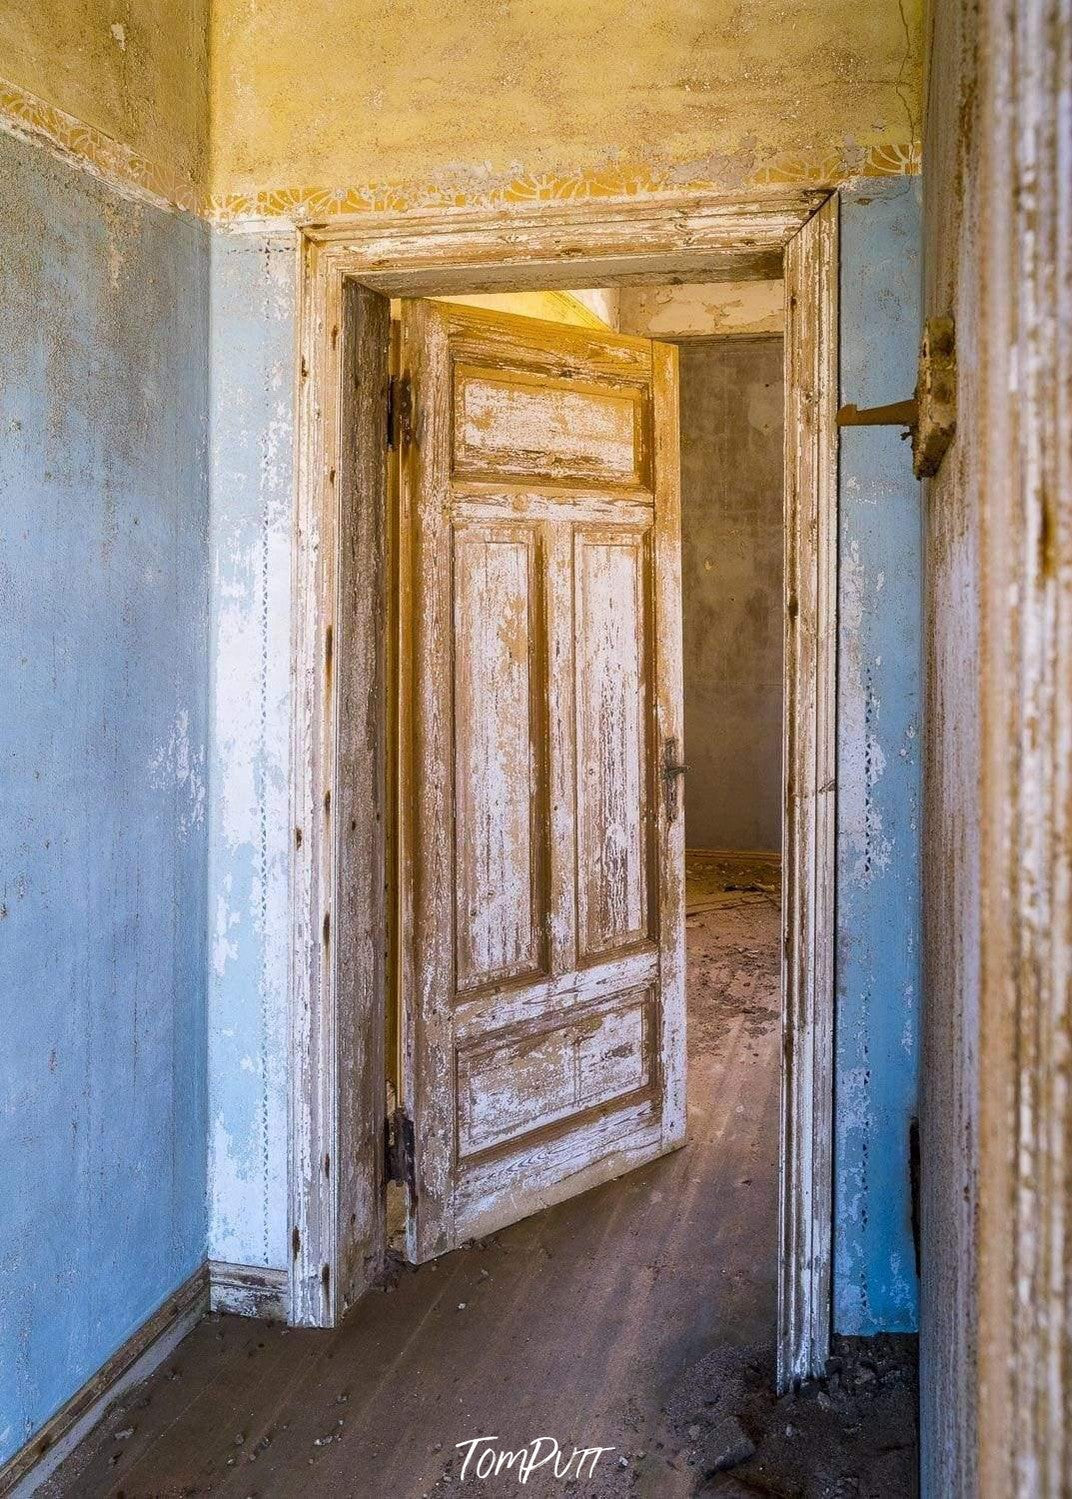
(308,204)
(27,117)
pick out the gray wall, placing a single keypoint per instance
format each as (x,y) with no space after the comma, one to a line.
(732,403)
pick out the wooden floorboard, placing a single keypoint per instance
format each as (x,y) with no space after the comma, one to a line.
(576,1323)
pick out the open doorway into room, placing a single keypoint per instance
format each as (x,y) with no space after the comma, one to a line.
(562,1083)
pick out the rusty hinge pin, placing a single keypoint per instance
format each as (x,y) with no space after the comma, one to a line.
(399,411)
(399,1148)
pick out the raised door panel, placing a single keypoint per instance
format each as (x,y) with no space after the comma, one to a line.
(541,1078)
(499,757)
(612,696)
(525,424)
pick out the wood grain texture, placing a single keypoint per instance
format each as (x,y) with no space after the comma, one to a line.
(338,946)
(687,234)
(500,913)
(1015,410)
(358,951)
(312,1036)
(811,271)
(612,578)
(529,677)
(248,1290)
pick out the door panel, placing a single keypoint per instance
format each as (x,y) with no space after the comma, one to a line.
(540,871)
(613,675)
(519,1081)
(500,813)
(518,423)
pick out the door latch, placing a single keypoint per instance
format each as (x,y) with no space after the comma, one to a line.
(673,770)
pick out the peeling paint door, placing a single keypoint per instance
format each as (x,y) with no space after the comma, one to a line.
(540,825)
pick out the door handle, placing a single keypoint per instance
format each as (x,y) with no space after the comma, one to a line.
(673,770)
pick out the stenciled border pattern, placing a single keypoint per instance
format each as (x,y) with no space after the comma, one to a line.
(28,117)
(313,204)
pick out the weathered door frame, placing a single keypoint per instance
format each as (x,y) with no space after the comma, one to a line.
(337,938)
(1014,423)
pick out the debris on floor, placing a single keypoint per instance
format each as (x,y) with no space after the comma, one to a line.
(716,879)
(850,1435)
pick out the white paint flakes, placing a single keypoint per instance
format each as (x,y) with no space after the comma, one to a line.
(178,765)
(874,760)
(224,947)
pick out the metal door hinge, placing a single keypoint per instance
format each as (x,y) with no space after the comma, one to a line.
(398,1148)
(930,416)
(399,411)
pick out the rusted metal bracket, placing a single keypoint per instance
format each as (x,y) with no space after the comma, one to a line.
(929,416)
(896,414)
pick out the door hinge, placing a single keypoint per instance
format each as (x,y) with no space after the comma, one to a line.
(398,1148)
(399,411)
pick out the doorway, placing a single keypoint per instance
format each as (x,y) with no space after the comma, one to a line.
(339,951)
(732,404)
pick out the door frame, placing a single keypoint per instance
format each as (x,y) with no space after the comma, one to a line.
(338,943)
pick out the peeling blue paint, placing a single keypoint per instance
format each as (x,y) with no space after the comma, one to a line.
(103,613)
(879,769)
(252,403)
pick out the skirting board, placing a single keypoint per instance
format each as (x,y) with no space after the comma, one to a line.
(146,1348)
(248,1290)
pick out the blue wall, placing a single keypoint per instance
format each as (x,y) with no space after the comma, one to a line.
(252,378)
(103,640)
(878,797)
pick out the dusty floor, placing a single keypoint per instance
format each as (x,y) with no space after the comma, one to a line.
(639,1317)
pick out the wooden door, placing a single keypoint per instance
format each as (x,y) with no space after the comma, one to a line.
(540,830)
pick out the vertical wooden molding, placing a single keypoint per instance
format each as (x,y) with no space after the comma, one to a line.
(338,789)
(312,1039)
(359,949)
(1016,412)
(808,855)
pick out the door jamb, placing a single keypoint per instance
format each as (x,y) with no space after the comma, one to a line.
(336,1104)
